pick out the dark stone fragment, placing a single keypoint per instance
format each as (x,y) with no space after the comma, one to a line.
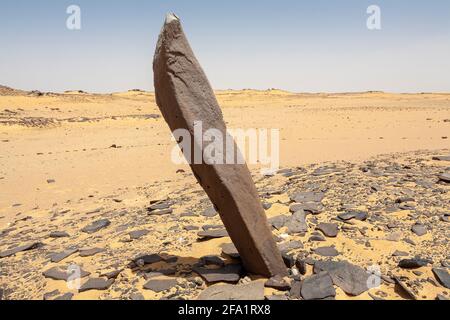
(230,250)
(403,290)
(278,283)
(96,226)
(442,276)
(252,291)
(290,246)
(210,212)
(59,256)
(413,263)
(229,273)
(160,285)
(419,229)
(326,252)
(96,284)
(138,234)
(59,234)
(350,278)
(212,234)
(329,229)
(301,265)
(295,292)
(27,247)
(58,273)
(317,287)
(90,252)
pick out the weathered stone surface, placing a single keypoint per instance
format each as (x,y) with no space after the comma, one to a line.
(96,226)
(442,158)
(96,284)
(27,247)
(304,197)
(59,273)
(59,234)
(297,223)
(251,291)
(137,234)
(350,278)
(160,285)
(326,252)
(290,245)
(445,177)
(60,256)
(229,273)
(413,263)
(317,287)
(184,96)
(230,250)
(212,234)
(419,229)
(403,289)
(442,276)
(329,229)
(278,283)
(88,252)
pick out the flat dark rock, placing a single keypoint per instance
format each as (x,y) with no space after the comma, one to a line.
(303,197)
(230,250)
(160,285)
(326,252)
(297,223)
(317,287)
(445,177)
(400,254)
(442,276)
(27,247)
(96,284)
(350,278)
(295,292)
(60,256)
(159,206)
(147,259)
(229,273)
(252,291)
(212,234)
(96,226)
(278,222)
(59,273)
(59,234)
(419,229)
(330,230)
(413,263)
(90,252)
(65,297)
(210,212)
(400,286)
(290,245)
(137,234)
(442,158)
(162,212)
(278,283)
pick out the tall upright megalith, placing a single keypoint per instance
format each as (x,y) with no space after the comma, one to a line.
(185,97)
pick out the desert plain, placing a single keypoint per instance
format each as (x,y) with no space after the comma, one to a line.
(87,182)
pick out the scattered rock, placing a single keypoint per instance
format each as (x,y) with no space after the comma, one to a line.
(27,247)
(230,250)
(60,256)
(210,212)
(350,278)
(330,230)
(278,283)
(290,246)
(445,177)
(90,252)
(317,287)
(212,234)
(403,289)
(160,285)
(326,252)
(419,229)
(96,284)
(252,291)
(413,263)
(297,223)
(229,273)
(442,276)
(137,234)
(59,273)
(59,234)
(96,226)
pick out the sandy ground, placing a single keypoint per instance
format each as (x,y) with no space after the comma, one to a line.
(69,159)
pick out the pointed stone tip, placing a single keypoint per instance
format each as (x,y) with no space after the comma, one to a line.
(170,17)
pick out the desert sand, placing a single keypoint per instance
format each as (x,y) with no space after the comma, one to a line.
(69,160)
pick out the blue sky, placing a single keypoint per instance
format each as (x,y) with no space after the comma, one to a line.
(302,46)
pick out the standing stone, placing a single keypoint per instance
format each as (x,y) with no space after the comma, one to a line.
(185,97)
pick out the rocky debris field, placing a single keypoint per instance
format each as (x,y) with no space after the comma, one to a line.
(374,230)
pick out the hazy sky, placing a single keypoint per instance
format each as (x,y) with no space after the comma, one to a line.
(302,46)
